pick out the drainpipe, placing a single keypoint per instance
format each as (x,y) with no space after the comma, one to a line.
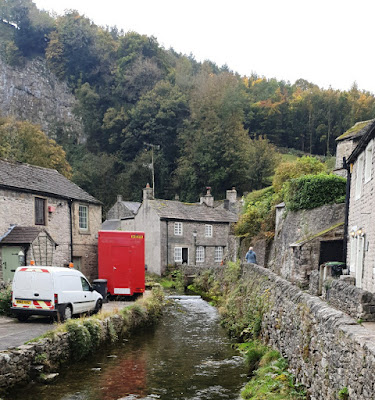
(347,199)
(70,202)
(167,243)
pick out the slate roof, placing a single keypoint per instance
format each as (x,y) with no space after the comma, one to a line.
(21,235)
(133,206)
(111,225)
(368,134)
(356,131)
(169,209)
(32,179)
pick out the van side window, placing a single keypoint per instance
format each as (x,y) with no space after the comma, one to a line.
(85,285)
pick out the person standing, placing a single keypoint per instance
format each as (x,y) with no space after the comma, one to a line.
(251,257)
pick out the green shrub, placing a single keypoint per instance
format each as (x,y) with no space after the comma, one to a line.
(80,339)
(5,300)
(313,191)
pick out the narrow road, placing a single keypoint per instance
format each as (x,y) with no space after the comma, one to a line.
(14,333)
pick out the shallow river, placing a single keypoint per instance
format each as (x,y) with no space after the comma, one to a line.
(187,356)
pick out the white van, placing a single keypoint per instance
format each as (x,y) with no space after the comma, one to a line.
(52,291)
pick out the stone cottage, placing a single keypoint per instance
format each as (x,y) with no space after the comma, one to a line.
(45,217)
(178,233)
(361,211)
(121,215)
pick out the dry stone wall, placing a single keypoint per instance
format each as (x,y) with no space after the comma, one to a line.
(327,350)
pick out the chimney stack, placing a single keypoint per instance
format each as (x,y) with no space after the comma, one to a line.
(208,199)
(119,198)
(147,193)
(232,195)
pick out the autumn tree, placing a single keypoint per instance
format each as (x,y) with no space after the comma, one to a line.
(25,142)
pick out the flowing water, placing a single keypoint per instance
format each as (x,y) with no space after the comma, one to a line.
(187,356)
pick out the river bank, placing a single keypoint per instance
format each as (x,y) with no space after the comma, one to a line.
(42,357)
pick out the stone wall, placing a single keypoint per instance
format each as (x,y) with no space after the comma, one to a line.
(294,253)
(30,361)
(33,93)
(326,349)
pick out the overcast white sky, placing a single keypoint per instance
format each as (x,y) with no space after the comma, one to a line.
(327,42)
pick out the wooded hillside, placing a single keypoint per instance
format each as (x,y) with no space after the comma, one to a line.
(206,124)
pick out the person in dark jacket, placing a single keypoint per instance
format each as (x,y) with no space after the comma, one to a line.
(251,257)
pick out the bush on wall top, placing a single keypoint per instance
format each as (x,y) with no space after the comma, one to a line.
(311,191)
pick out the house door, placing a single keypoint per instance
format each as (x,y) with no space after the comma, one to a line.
(359,261)
(10,261)
(185,255)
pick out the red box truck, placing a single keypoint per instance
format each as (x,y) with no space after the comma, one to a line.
(122,261)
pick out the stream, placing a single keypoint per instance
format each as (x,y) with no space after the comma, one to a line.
(186,356)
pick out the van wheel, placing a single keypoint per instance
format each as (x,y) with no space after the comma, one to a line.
(98,306)
(22,318)
(67,313)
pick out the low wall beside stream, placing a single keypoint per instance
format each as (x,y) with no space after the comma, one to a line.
(327,350)
(38,359)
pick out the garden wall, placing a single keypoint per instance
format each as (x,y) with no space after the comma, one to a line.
(327,350)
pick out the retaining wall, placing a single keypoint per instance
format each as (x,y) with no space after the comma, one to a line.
(326,349)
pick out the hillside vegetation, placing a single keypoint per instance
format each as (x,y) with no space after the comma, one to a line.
(205,124)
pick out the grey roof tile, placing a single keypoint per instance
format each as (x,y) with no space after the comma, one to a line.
(29,178)
(168,209)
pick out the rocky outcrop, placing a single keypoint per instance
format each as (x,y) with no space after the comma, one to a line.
(33,93)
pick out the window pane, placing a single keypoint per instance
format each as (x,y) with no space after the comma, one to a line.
(200,254)
(218,254)
(83,222)
(40,211)
(208,231)
(178,228)
(178,254)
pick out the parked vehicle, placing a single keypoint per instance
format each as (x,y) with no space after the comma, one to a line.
(122,262)
(52,291)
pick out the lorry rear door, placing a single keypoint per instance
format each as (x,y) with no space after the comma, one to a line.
(122,270)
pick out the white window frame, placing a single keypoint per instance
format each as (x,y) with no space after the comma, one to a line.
(178,254)
(219,252)
(199,254)
(208,230)
(359,177)
(178,228)
(83,218)
(368,161)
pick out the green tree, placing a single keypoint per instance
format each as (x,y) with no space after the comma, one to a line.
(25,142)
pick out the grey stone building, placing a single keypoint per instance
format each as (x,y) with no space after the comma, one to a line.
(361,211)
(121,215)
(45,217)
(179,233)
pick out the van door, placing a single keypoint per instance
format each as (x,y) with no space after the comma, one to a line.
(71,291)
(88,296)
(33,288)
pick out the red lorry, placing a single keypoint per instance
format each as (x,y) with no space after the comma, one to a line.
(122,262)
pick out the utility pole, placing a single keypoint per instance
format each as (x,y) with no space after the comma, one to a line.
(157,147)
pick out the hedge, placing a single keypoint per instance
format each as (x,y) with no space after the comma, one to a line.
(311,191)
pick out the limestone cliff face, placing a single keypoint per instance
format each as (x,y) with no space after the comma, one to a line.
(33,93)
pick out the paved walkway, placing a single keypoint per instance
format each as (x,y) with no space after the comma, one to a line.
(14,333)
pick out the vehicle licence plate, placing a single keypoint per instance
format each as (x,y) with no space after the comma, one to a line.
(23,301)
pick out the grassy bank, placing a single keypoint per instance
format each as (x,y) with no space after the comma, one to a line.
(241,313)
